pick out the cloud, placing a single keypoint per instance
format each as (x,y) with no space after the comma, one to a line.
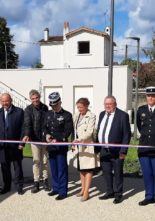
(141,22)
(28,18)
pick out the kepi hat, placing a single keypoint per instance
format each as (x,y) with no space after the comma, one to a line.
(54,98)
(150,90)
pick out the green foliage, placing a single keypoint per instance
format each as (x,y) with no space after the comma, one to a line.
(8,57)
(27,151)
(131,63)
(38,65)
(131,164)
(151,52)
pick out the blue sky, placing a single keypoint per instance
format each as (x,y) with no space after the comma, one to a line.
(28,18)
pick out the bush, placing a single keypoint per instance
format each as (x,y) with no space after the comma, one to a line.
(131,164)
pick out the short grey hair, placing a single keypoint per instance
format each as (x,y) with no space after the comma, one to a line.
(34,92)
(111,97)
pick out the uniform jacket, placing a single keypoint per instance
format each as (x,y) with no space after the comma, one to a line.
(15,120)
(146,127)
(120,133)
(33,121)
(84,132)
(59,126)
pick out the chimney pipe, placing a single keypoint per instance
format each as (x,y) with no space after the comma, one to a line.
(66,29)
(46,34)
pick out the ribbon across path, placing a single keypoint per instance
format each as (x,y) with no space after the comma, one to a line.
(77,143)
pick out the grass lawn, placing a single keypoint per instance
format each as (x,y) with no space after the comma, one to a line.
(131,164)
(27,151)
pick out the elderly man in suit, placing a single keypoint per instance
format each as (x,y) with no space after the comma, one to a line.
(11,121)
(114,128)
(146,127)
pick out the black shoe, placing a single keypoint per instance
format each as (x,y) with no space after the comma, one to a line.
(20,191)
(106,196)
(52,193)
(46,185)
(146,202)
(117,200)
(35,188)
(4,190)
(59,197)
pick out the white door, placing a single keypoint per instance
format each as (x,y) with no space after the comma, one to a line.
(83,91)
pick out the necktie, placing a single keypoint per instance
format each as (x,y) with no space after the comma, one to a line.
(6,120)
(150,111)
(105,127)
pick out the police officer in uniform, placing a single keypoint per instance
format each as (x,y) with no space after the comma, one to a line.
(58,126)
(146,127)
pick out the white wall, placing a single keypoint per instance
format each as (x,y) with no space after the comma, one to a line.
(60,55)
(96,56)
(67,79)
(52,55)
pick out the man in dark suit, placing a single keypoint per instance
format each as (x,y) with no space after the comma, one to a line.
(114,128)
(146,127)
(11,121)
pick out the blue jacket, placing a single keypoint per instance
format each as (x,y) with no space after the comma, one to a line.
(15,120)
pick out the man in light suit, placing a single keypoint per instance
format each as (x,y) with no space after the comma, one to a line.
(114,128)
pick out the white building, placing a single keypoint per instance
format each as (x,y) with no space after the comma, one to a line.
(75,64)
(79,48)
(72,84)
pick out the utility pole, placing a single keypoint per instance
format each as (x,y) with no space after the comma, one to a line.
(110,73)
(126,52)
(136,89)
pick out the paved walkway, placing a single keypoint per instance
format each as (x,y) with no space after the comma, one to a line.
(41,207)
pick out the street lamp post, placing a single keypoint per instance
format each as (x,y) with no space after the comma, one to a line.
(136,89)
(110,74)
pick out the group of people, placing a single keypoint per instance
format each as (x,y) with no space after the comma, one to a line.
(37,124)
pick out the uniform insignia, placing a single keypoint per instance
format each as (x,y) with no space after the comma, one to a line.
(61,118)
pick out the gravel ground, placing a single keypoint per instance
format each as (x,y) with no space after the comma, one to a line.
(41,207)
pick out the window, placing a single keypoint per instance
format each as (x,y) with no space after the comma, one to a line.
(83,47)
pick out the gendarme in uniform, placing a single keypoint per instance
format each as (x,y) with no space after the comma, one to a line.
(58,126)
(146,127)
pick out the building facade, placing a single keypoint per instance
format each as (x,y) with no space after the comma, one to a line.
(79,48)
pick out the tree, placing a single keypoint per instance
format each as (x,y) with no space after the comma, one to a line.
(37,65)
(8,57)
(147,75)
(151,52)
(132,64)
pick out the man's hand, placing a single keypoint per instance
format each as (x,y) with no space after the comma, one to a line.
(48,138)
(26,139)
(20,147)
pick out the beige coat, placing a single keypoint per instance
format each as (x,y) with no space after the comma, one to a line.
(84,133)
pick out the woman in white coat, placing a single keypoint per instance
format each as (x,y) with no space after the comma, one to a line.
(84,127)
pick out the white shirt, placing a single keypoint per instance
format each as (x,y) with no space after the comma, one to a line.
(111,117)
(153,107)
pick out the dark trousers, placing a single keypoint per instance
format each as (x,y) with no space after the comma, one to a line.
(148,169)
(113,175)
(7,177)
(59,172)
